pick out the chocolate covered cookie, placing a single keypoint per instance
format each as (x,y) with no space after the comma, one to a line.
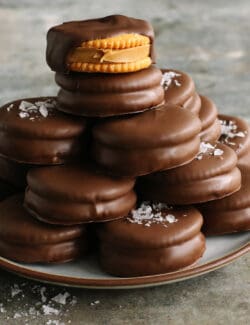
(211,127)
(25,239)
(112,44)
(179,90)
(106,95)
(152,239)
(211,175)
(33,132)
(73,195)
(228,215)
(235,133)
(141,144)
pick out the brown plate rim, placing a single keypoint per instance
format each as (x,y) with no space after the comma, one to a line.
(120,283)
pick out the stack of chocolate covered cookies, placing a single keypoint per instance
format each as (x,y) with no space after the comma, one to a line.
(127,162)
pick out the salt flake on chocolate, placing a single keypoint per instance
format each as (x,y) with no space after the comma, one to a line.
(207,148)
(35,110)
(152,213)
(218,152)
(168,78)
(43,110)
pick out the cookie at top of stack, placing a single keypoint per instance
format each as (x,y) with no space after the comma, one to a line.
(112,44)
(108,64)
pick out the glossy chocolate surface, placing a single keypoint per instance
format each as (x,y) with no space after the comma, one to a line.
(74,194)
(211,128)
(131,249)
(154,140)
(25,239)
(205,179)
(181,87)
(101,95)
(32,138)
(231,214)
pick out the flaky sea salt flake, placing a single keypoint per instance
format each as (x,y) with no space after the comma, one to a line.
(218,152)
(23,114)
(42,291)
(43,110)
(10,107)
(17,315)
(168,77)
(24,105)
(94,303)
(171,218)
(47,310)
(15,290)
(61,298)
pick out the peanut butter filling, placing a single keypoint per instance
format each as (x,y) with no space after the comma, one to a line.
(93,55)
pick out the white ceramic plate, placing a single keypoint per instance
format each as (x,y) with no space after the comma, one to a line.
(220,251)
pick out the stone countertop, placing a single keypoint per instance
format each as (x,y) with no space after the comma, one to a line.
(208,39)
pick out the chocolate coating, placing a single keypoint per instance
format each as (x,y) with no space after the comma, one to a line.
(203,180)
(180,90)
(240,144)
(130,249)
(140,144)
(25,239)
(62,38)
(96,94)
(193,104)
(211,128)
(74,194)
(228,215)
(55,139)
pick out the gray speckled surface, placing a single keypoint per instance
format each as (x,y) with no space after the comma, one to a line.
(208,39)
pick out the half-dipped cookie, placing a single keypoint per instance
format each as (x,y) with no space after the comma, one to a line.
(102,95)
(152,239)
(179,90)
(32,131)
(213,174)
(155,140)
(25,239)
(211,127)
(235,133)
(73,194)
(228,215)
(112,44)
